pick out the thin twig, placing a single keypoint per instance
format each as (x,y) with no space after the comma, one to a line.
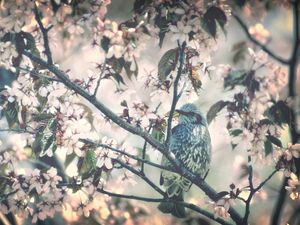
(37,75)
(145,142)
(175,91)
(145,178)
(146,199)
(16,130)
(144,151)
(87,141)
(44,34)
(250,177)
(262,46)
(100,78)
(265,181)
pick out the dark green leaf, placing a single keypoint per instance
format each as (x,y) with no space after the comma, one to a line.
(265,122)
(128,71)
(279,113)
(235,77)
(239,51)
(235,132)
(105,43)
(118,78)
(45,139)
(268,147)
(240,3)
(162,24)
(69,159)
(166,64)
(157,134)
(214,109)
(42,116)
(274,140)
(11,113)
(140,5)
(116,64)
(89,163)
(213,15)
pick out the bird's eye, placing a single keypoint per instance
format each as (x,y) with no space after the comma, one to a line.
(198,118)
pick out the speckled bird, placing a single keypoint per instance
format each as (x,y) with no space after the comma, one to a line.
(191,145)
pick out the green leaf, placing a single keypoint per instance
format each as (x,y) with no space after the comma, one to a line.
(235,77)
(140,5)
(166,63)
(214,109)
(69,159)
(274,140)
(11,113)
(118,78)
(162,23)
(235,132)
(157,134)
(128,71)
(116,64)
(279,113)
(239,51)
(45,139)
(240,3)
(265,122)
(268,147)
(105,43)
(42,116)
(88,164)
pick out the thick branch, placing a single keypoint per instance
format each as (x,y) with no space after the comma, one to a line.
(187,205)
(262,46)
(293,63)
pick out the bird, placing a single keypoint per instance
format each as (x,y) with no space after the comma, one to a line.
(190,144)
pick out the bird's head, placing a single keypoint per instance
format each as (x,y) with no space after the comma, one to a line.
(190,113)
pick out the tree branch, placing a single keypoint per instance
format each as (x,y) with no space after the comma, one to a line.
(187,205)
(175,91)
(194,178)
(100,78)
(256,42)
(293,63)
(252,192)
(265,181)
(141,175)
(16,130)
(89,142)
(44,34)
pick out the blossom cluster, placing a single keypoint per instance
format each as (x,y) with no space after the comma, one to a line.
(249,121)
(40,193)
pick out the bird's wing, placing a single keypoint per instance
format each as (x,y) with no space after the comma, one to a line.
(191,146)
(180,139)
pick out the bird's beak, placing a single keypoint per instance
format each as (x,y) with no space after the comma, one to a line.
(180,112)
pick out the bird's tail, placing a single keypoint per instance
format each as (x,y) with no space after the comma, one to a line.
(176,209)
